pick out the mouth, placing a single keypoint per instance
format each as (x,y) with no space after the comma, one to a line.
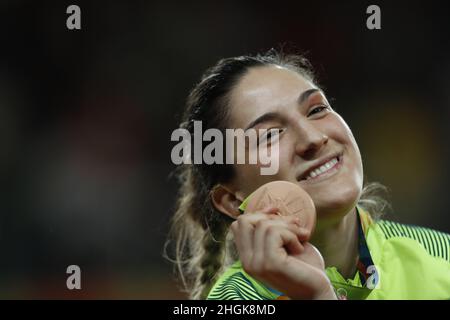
(322,170)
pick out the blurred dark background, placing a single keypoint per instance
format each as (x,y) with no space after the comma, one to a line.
(86,118)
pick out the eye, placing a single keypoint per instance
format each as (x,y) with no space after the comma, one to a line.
(268,134)
(318,109)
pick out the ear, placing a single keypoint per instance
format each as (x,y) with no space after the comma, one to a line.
(226,201)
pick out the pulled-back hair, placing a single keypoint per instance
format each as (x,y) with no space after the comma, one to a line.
(199,233)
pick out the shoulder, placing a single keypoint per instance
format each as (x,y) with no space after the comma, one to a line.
(435,243)
(412,262)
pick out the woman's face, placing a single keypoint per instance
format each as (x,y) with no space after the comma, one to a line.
(311,135)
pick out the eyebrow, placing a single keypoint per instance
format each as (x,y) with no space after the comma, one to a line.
(264,118)
(306,94)
(275,115)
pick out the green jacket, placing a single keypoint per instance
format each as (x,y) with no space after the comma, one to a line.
(397,261)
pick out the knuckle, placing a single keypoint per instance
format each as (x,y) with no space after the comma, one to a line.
(260,224)
(271,230)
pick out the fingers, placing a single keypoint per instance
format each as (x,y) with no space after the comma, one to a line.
(264,227)
(270,248)
(247,222)
(278,239)
(243,238)
(312,256)
(243,230)
(251,232)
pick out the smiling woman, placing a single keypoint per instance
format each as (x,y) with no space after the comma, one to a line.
(221,253)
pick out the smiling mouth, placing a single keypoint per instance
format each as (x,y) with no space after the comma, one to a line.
(323,171)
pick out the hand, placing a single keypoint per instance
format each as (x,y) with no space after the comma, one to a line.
(274,250)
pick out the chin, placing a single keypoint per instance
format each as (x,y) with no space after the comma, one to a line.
(336,204)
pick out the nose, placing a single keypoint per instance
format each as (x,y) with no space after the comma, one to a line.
(309,140)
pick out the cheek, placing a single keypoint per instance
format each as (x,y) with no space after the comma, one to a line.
(342,139)
(337,129)
(341,133)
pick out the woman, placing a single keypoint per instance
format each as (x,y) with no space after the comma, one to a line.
(223,254)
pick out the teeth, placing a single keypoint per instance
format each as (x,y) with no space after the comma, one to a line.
(322,168)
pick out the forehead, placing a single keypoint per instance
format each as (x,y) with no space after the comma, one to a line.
(265,89)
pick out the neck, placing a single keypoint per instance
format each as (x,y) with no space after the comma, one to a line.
(338,243)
